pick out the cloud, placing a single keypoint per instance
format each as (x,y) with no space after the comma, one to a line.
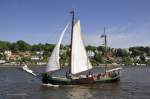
(123,36)
(119,36)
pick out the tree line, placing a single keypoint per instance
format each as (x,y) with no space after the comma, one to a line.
(126,56)
(24,46)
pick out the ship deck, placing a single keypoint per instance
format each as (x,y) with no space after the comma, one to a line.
(94,70)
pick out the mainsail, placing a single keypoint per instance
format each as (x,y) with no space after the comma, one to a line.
(53,63)
(79,58)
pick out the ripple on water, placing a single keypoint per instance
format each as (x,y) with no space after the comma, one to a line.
(16,84)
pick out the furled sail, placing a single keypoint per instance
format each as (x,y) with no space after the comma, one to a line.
(53,63)
(79,61)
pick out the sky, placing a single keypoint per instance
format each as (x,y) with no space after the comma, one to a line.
(127,22)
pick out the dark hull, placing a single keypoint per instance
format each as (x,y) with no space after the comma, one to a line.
(92,76)
(58,81)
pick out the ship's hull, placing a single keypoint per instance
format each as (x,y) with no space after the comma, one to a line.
(80,81)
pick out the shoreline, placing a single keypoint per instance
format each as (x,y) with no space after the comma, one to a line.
(100,65)
(19,66)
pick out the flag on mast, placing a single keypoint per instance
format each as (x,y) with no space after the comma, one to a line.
(104,37)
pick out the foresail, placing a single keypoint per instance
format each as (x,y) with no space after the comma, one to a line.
(53,63)
(80,61)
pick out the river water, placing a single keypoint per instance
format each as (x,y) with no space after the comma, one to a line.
(17,84)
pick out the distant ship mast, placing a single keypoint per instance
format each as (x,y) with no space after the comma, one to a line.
(105,44)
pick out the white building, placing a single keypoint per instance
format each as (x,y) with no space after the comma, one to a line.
(39,52)
(147,58)
(35,58)
(7,53)
(2,61)
(90,53)
(137,58)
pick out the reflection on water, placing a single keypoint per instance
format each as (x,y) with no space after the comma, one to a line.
(90,92)
(16,84)
(79,92)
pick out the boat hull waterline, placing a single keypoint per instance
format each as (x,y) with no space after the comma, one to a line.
(80,81)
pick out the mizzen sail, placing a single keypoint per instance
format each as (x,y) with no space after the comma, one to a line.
(53,63)
(79,61)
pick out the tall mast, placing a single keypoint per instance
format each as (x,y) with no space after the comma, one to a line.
(105,44)
(72,25)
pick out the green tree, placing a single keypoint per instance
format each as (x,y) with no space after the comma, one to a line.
(4,46)
(136,51)
(101,48)
(127,61)
(92,48)
(20,46)
(38,47)
(48,47)
(98,58)
(121,53)
(142,59)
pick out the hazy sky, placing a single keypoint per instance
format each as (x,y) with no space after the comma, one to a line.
(127,22)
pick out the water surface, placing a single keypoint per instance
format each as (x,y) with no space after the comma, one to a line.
(17,84)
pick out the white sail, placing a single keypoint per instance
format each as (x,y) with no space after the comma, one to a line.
(80,61)
(53,63)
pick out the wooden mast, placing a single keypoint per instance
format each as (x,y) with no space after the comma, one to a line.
(72,25)
(105,44)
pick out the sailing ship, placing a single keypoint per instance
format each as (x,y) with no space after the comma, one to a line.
(80,70)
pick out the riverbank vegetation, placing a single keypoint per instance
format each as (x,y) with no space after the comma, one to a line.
(21,51)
